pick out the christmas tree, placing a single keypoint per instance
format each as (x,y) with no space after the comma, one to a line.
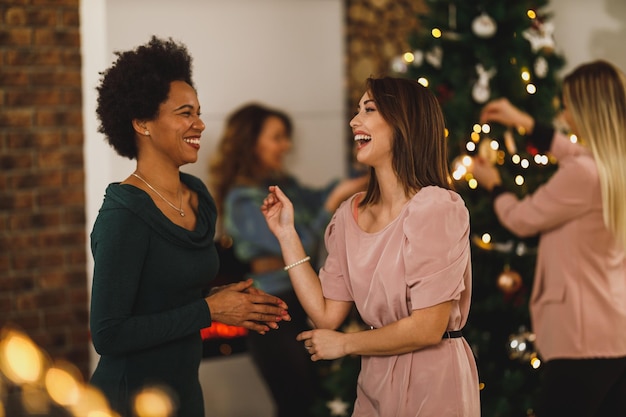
(469,52)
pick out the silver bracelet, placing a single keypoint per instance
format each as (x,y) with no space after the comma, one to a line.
(301,261)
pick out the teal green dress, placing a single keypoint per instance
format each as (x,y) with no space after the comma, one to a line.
(147,306)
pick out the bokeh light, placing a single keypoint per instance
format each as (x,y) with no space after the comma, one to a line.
(154,402)
(21,361)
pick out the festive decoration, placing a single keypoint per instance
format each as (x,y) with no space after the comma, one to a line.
(481,91)
(522,347)
(509,142)
(488,151)
(484,26)
(34,384)
(398,64)
(418,58)
(434,56)
(509,281)
(338,407)
(540,36)
(541,67)
(498,50)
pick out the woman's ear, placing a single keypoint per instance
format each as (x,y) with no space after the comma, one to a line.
(140,127)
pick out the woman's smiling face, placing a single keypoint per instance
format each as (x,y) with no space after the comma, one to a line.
(372,133)
(177,129)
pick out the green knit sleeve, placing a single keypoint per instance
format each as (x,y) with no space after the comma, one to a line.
(120,242)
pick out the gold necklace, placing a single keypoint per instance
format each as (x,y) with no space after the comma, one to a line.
(178,209)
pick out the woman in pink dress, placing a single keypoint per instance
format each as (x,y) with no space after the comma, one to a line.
(400,253)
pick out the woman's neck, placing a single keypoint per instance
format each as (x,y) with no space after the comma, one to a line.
(392,192)
(163,178)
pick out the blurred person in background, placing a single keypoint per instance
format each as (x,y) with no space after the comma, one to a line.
(249,157)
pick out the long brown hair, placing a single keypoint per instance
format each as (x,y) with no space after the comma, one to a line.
(235,160)
(419,155)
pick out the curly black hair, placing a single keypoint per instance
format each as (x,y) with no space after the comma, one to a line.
(134,87)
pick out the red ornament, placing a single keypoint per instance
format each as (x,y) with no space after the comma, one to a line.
(531,149)
(444,93)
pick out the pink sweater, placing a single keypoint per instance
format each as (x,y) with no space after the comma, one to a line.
(578,302)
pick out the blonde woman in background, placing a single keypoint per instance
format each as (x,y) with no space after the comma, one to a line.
(578,303)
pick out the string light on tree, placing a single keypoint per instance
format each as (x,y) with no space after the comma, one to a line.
(517,41)
(522,347)
(461,166)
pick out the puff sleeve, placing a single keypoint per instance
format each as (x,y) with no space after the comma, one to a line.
(335,285)
(436,248)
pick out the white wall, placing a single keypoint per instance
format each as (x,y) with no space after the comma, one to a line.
(590,29)
(287,53)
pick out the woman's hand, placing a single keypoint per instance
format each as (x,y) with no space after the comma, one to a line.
(323,343)
(278,212)
(503,112)
(240,304)
(485,173)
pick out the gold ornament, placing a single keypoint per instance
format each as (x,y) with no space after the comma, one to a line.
(487,151)
(509,142)
(509,281)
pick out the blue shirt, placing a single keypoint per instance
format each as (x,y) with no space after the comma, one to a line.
(252,238)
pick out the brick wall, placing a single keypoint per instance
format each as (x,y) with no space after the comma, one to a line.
(43,279)
(376,32)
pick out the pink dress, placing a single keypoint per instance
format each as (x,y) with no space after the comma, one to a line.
(420,259)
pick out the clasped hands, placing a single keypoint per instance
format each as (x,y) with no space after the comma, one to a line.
(241,304)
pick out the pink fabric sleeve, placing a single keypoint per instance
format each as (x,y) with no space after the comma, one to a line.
(562,147)
(565,196)
(334,285)
(436,249)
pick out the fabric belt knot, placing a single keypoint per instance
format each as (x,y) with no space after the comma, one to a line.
(452,334)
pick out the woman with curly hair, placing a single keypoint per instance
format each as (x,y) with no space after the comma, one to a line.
(249,158)
(152,242)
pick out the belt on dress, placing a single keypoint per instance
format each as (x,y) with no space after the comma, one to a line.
(452,334)
(449,334)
